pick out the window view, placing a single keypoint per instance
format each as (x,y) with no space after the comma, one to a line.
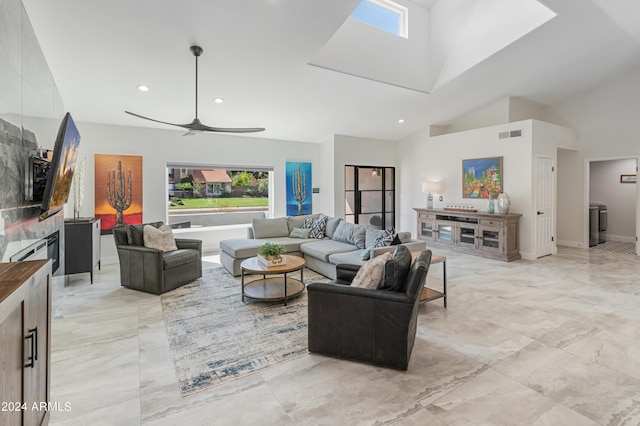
(383,14)
(216,196)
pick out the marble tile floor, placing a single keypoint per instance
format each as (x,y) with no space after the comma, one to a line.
(550,342)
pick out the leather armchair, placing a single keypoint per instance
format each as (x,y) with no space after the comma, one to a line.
(374,326)
(154,271)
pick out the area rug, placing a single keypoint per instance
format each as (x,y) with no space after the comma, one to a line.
(214,337)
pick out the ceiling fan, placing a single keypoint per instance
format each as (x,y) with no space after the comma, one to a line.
(196,125)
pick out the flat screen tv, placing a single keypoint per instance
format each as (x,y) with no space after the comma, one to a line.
(65,154)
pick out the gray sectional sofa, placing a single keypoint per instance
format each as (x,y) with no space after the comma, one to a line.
(342,243)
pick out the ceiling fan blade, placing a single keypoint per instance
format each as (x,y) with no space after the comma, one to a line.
(196,125)
(232,129)
(186,126)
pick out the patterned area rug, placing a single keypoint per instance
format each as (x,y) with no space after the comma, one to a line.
(214,337)
(616,247)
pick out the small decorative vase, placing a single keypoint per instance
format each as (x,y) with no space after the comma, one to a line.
(504,202)
(490,208)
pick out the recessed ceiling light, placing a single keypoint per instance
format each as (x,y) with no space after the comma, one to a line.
(143,88)
(401,121)
(218,100)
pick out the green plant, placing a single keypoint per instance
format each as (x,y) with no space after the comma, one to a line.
(248,192)
(242,179)
(271,250)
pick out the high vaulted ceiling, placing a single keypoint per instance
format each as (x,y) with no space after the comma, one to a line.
(257,56)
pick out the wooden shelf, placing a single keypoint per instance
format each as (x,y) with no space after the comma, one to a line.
(430,294)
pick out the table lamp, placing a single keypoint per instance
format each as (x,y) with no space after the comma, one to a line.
(430,187)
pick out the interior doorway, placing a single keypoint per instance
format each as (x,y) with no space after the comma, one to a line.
(613,188)
(370,196)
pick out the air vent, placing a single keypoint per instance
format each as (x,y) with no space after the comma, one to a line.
(510,134)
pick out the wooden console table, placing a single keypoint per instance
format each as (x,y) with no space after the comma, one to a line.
(491,235)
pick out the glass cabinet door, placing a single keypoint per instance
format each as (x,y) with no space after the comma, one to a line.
(427,230)
(467,235)
(445,232)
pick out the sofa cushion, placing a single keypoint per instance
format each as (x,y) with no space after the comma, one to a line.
(350,257)
(159,238)
(300,233)
(240,248)
(370,273)
(179,257)
(332,224)
(317,226)
(351,234)
(322,249)
(298,221)
(269,228)
(396,270)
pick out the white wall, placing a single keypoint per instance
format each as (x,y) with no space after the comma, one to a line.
(605,119)
(439,158)
(620,198)
(360,152)
(571,214)
(157,147)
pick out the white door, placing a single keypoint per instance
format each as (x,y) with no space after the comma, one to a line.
(637,211)
(544,196)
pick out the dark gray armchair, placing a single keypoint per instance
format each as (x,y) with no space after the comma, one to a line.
(154,271)
(374,326)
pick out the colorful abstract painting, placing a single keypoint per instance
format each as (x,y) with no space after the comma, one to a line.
(118,189)
(482,177)
(298,177)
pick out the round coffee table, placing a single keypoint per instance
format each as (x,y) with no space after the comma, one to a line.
(272,288)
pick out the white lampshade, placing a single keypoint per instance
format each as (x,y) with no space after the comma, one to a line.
(432,187)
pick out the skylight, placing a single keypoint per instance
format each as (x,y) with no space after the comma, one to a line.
(383,14)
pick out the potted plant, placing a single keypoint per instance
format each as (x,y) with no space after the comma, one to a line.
(269,254)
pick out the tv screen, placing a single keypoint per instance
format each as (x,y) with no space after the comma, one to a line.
(65,154)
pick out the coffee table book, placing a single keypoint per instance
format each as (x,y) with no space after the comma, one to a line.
(270,263)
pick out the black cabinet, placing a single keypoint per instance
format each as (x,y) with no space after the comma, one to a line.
(81,246)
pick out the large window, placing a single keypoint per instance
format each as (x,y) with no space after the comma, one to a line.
(370,196)
(383,14)
(213,196)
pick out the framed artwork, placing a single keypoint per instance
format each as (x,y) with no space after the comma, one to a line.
(481,177)
(118,190)
(628,178)
(298,177)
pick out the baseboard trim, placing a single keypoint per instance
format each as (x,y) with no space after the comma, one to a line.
(567,243)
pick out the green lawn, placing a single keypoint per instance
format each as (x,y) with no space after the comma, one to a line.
(198,203)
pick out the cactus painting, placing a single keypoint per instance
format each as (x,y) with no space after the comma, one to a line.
(298,181)
(118,190)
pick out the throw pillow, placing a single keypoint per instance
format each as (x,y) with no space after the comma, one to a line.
(159,238)
(351,234)
(135,234)
(370,273)
(332,224)
(385,238)
(371,234)
(300,233)
(317,226)
(396,241)
(396,270)
(365,254)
